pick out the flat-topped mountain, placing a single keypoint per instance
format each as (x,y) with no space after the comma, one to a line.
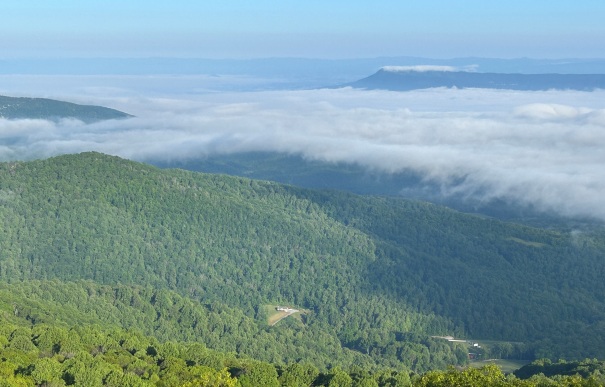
(404,78)
(50,109)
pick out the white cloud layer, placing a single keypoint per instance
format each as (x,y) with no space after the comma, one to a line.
(425,68)
(419,68)
(537,148)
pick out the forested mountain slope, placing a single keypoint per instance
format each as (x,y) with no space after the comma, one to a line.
(315,174)
(167,316)
(50,109)
(380,275)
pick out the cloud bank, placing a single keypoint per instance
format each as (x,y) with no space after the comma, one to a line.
(426,68)
(420,68)
(543,149)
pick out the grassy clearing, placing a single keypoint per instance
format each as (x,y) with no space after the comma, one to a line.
(274,315)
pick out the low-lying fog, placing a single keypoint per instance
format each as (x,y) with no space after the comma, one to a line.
(541,148)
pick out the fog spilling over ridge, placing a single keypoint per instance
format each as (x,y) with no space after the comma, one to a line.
(543,149)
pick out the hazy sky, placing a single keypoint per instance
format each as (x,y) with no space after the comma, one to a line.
(312,28)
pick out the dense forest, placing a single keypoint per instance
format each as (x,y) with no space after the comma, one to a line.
(293,169)
(91,240)
(51,354)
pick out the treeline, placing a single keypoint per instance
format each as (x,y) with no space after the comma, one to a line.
(379,275)
(587,368)
(167,316)
(50,355)
(491,375)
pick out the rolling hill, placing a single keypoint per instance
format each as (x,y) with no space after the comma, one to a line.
(379,275)
(315,174)
(50,109)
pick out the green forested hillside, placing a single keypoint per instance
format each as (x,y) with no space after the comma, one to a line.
(378,275)
(57,334)
(168,316)
(499,280)
(316,174)
(50,109)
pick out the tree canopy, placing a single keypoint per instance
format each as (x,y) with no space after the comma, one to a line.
(191,257)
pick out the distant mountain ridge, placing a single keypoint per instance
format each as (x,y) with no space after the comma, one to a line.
(278,73)
(50,109)
(424,77)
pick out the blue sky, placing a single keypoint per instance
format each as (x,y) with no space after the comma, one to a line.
(312,28)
